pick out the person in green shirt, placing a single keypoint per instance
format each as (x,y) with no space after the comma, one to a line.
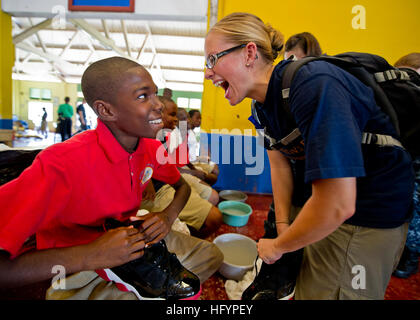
(65,113)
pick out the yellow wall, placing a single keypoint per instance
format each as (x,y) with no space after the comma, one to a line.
(58,92)
(6,63)
(392,29)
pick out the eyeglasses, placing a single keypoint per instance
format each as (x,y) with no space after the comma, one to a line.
(212,58)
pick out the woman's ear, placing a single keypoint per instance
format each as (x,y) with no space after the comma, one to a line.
(251,53)
(104,110)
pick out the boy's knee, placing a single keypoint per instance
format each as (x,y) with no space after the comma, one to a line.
(214,197)
(214,218)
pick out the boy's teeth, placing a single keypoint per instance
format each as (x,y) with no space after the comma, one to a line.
(157,121)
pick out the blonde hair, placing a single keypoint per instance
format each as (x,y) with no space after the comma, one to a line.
(411,60)
(242,27)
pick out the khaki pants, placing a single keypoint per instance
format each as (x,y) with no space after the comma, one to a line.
(194,213)
(351,263)
(201,257)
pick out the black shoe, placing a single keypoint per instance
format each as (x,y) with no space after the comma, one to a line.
(275,281)
(408,264)
(157,274)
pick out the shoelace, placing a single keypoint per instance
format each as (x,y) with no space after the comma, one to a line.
(256,267)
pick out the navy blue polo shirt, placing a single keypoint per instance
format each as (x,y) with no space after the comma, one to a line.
(332,109)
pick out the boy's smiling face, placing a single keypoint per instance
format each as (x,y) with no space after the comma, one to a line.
(137,108)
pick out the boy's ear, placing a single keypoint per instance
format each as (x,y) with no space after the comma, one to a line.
(104,110)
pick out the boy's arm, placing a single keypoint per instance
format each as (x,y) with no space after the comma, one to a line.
(113,248)
(193,171)
(157,225)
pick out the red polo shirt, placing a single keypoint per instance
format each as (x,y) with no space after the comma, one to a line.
(72,187)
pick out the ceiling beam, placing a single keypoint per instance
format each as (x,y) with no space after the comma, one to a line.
(38,37)
(105,27)
(143,47)
(36,60)
(155,60)
(167,32)
(98,36)
(69,44)
(127,44)
(30,31)
(48,56)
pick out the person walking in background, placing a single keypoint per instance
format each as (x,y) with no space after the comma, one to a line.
(408,264)
(302,45)
(65,113)
(44,124)
(80,110)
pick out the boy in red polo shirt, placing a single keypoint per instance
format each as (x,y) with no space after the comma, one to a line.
(71,188)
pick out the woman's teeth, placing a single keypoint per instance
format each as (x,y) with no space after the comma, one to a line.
(218,83)
(157,121)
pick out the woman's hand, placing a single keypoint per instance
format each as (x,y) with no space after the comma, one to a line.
(267,251)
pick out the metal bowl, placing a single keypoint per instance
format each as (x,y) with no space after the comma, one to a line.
(232,195)
(239,253)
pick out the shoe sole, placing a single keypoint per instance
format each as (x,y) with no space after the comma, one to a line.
(109,275)
(290,296)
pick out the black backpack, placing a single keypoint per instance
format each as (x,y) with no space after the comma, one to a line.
(13,162)
(397,93)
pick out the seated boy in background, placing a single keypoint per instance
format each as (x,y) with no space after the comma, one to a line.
(67,213)
(200,213)
(210,169)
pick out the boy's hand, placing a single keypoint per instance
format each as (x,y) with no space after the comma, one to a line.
(155,226)
(114,248)
(199,174)
(149,193)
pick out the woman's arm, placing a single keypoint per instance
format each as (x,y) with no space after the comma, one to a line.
(282,184)
(333,201)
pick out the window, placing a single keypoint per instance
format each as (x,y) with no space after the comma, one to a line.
(36,93)
(195,104)
(182,102)
(46,94)
(189,103)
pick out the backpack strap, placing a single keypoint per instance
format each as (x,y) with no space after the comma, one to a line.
(288,75)
(392,74)
(380,139)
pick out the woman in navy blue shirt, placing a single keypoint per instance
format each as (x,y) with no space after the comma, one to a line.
(353,224)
